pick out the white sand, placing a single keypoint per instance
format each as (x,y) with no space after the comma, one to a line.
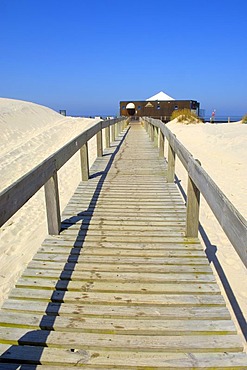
(30,133)
(222,151)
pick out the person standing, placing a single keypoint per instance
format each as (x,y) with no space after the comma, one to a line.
(212,119)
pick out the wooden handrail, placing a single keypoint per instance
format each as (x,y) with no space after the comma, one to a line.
(17,194)
(230,219)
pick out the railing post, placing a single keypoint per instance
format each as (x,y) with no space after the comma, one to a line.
(113,133)
(99,144)
(152,132)
(84,162)
(156,136)
(52,205)
(149,129)
(107,137)
(116,130)
(161,144)
(193,205)
(146,126)
(171,164)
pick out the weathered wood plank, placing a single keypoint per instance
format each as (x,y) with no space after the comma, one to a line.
(152,268)
(125,311)
(57,358)
(177,343)
(120,276)
(117,325)
(121,260)
(104,251)
(50,243)
(119,297)
(117,286)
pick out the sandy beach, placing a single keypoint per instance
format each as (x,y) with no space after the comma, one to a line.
(30,133)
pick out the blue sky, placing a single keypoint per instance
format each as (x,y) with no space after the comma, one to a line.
(85,56)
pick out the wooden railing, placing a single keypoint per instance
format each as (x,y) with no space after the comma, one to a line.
(45,174)
(199,182)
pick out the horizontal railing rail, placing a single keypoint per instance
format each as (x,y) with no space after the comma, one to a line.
(45,174)
(199,182)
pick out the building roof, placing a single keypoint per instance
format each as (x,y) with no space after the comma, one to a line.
(161,96)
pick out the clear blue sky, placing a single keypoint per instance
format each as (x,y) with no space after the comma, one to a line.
(85,56)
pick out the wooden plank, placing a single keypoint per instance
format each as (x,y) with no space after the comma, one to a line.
(120,276)
(177,343)
(152,268)
(125,311)
(103,251)
(119,297)
(57,358)
(117,325)
(121,260)
(118,286)
(79,239)
(107,311)
(119,223)
(162,245)
(124,232)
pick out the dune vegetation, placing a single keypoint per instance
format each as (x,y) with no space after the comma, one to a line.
(185,116)
(244,119)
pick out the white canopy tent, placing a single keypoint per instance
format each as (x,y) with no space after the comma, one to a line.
(161,96)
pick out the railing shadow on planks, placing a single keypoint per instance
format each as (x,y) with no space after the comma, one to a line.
(199,182)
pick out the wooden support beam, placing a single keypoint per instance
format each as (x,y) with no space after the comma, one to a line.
(156,137)
(161,144)
(152,132)
(120,127)
(113,133)
(52,205)
(193,205)
(116,130)
(84,162)
(107,137)
(99,144)
(171,164)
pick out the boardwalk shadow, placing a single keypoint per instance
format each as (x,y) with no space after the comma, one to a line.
(211,253)
(31,345)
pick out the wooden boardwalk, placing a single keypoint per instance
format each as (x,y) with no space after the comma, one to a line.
(120,287)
